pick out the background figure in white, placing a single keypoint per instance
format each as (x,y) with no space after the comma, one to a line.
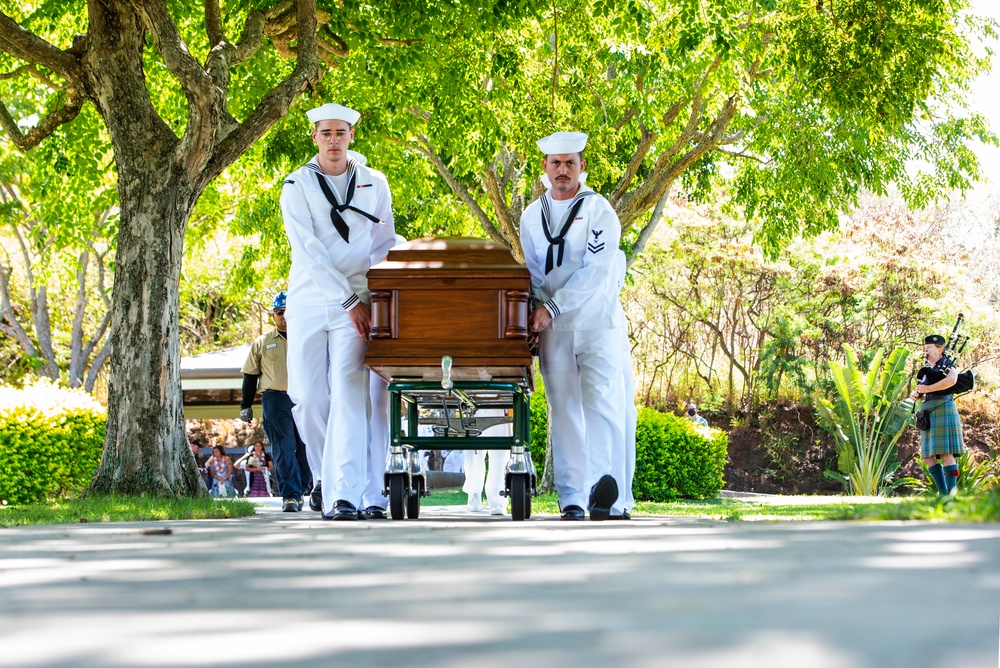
(453,462)
(373,501)
(475,468)
(631,411)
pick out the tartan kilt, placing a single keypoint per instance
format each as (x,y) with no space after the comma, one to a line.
(945,435)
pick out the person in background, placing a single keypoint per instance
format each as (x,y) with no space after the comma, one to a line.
(258,466)
(692,415)
(220,468)
(944,439)
(266,370)
(199,461)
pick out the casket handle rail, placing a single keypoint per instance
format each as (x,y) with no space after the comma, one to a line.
(514,314)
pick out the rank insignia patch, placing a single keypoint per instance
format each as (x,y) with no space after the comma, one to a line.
(596,246)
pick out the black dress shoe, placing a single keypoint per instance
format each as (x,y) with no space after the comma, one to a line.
(623,516)
(603,495)
(345,511)
(375,513)
(316,498)
(573,513)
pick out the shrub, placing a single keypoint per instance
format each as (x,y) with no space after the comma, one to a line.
(51,440)
(675,459)
(539,425)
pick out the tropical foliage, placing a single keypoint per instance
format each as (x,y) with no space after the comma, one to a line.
(866,419)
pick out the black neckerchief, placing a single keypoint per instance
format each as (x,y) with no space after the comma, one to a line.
(337,208)
(559,241)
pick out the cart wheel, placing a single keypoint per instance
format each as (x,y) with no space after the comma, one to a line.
(527,504)
(413,500)
(518,497)
(397,495)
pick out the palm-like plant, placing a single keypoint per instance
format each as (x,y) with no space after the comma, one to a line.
(869,415)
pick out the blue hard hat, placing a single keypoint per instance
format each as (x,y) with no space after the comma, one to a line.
(279,300)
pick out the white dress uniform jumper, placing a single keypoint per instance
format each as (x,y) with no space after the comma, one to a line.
(570,249)
(336,233)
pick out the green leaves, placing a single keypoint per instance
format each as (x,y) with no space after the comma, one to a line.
(867,418)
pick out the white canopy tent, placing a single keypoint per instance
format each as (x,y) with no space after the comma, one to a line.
(212,384)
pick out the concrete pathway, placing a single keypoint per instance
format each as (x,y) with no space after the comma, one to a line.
(456,591)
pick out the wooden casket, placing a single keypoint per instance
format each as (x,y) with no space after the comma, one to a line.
(467,298)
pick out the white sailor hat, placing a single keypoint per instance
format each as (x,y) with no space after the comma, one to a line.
(333,112)
(559,143)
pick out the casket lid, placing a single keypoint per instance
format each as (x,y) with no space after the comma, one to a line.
(433,254)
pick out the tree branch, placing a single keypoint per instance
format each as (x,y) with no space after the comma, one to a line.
(76,334)
(95,367)
(275,104)
(741,154)
(213,23)
(33,71)
(507,228)
(645,143)
(424,146)
(206,100)
(647,231)
(15,330)
(48,125)
(31,48)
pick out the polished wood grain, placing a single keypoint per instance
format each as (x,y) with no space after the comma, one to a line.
(467,298)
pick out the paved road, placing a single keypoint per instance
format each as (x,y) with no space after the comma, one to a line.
(456,592)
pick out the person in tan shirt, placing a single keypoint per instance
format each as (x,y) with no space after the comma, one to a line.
(265,371)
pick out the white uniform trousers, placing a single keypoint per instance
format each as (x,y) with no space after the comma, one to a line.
(475,468)
(378,445)
(583,386)
(631,420)
(328,382)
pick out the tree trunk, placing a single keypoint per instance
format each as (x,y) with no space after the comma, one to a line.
(146,449)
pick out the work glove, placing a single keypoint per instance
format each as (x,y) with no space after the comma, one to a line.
(246,414)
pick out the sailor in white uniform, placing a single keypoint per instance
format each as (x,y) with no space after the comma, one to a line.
(570,239)
(338,218)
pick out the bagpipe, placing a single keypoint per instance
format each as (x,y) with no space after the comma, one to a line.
(954,347)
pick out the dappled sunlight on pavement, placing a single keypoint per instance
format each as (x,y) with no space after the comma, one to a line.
(455,591)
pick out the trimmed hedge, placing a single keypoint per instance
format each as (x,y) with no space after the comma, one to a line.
(51,440)
(539,426)
(674,459)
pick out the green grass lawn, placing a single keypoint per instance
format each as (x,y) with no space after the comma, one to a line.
(122,509)
(983,508)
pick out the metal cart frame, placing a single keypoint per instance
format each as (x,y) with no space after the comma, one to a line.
(405,475)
